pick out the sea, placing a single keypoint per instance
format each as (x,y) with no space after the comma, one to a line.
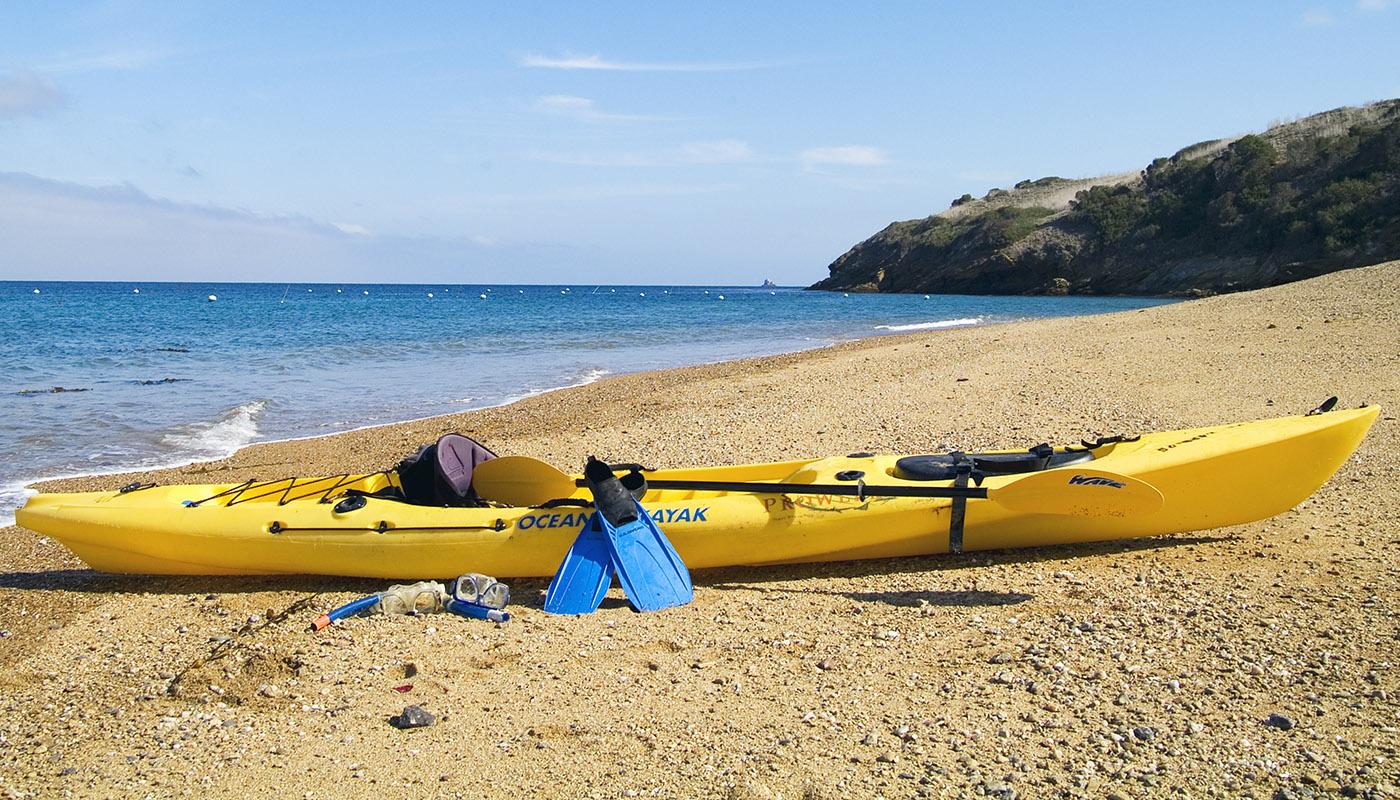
(99,377)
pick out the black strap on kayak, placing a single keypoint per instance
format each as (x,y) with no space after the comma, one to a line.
(963,466)
(572,502)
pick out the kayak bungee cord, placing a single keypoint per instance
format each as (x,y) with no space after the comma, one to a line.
(235,493)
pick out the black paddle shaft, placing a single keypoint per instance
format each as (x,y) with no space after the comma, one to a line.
(855,490)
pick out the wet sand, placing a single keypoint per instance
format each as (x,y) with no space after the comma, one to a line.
(1138,669)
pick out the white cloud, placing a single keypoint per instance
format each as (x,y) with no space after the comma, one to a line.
(116,60)
(721,151)
(584,109)
(1318,17)
(26,93)
(52,229)
(589,194)
(596,62)
(853,155)
(564,104)
(1374,5)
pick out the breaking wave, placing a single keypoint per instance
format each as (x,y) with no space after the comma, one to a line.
(223,437)
(926,326)
(12,496)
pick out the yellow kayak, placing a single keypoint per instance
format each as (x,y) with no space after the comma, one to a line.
(1206,478)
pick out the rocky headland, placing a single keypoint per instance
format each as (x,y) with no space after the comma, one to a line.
(1301,199)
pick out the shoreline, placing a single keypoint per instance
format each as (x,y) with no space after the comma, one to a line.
(26,485)
(1239,661)
(881,332)
(198,426)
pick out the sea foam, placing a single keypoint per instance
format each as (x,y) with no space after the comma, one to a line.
(925,326)
(223,437)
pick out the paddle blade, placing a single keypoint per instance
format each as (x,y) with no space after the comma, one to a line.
(520,481)
(585,575)
(1079,492)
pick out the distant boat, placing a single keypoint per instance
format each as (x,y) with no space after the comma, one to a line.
(767,284)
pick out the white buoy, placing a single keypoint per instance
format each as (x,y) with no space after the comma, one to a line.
(483,295)
(721,297)
(707,291)
(613,291)
(772,292)
(36,291)
(845,295)
(365,292)
(643,294)
(136,291)
(925,297)
(308,291)
(520,291)
(430,295)
(213,297)
(337,291)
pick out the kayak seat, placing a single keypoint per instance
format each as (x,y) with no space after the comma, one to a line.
(440,474)
(943,467)
(457,457)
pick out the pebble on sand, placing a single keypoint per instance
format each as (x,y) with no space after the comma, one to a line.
(412,717)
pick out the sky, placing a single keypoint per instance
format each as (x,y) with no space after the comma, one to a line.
(606,142)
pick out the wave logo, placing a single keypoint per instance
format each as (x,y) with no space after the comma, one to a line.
(1094,480)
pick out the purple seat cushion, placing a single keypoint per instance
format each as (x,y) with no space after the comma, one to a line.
(457,457)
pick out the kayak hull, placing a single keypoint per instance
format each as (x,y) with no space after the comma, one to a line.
(1209,478)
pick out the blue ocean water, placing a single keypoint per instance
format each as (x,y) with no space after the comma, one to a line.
(163,375)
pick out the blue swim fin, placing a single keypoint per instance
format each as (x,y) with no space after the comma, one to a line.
(585,574)
(650,571)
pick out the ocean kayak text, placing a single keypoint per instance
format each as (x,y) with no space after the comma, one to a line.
(661,516)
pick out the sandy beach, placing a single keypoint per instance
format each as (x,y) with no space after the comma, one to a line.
(1147,668)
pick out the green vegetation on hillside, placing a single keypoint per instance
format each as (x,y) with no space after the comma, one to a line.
(1306,197)
(1321,197)
(997,228)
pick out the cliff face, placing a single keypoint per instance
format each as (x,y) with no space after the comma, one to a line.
(1303,198)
